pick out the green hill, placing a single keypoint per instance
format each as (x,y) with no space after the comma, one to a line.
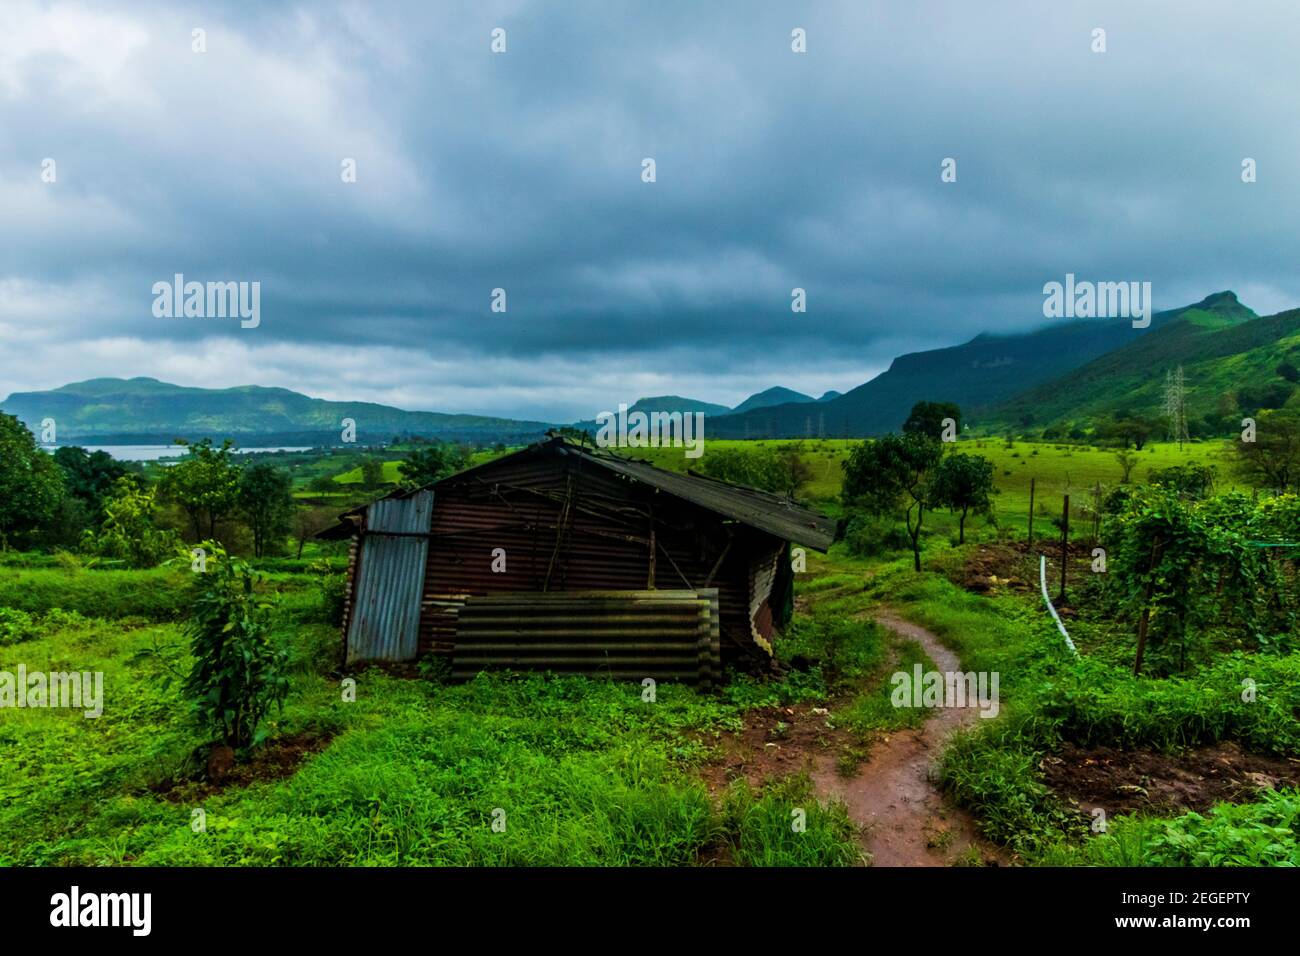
(145,410)
(773,396)
(1231,367)
(674,403)
(983,372)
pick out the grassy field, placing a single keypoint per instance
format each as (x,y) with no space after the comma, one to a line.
(537,770)
(1057,470)
(414,771)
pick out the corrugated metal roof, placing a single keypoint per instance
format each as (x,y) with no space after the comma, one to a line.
(759,509)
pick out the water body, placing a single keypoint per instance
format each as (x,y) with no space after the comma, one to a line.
(157,452)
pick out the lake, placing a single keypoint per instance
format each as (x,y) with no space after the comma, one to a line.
(156,452)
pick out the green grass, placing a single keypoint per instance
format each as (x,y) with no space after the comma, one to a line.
(156,594)
(1265,833)
(1076,470)
(1048,696)
(1057,469)
(353,476)
(872,711)
(584,771)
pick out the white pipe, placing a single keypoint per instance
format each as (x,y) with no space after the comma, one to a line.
(1042,579)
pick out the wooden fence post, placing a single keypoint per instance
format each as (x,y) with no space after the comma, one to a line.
(1031,513)
(1065,546)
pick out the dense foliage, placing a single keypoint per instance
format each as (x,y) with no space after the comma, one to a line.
(424,466)
(780,470)
(31,484)
(1181,567)
(129,532)
(205,483)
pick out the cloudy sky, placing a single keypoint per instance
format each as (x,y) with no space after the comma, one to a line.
(522,170)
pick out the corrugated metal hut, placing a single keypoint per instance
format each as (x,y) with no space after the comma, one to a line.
(565,558)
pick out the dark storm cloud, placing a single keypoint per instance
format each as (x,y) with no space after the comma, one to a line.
(522,171)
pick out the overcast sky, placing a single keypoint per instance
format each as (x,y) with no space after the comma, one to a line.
(523,171)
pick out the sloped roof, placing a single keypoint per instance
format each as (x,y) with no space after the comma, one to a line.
(759,509)
(763,510)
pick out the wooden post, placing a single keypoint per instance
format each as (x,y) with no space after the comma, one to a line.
(650,577)
(1096,515)
(1145,620)
(1065,546)
(1031,513)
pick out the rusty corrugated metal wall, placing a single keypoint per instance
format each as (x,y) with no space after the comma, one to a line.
(624,635)
(563,527)
(384,619)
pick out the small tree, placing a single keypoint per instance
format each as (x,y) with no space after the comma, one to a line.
(309,520)
(238,674)
(791,471)
(266,502)
(128,532)
(893,473)
(205,483)
(964,483)
(324,485)
(1272,460)
(1127,462)
(424,466)
(372,472)
(926,418)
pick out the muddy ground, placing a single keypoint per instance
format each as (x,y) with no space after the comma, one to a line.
(275,760)
(887,786)
(1145,781)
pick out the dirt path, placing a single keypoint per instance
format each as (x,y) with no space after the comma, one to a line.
(906,819)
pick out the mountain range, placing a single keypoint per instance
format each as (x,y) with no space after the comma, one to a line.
(1061,373)
(113,411)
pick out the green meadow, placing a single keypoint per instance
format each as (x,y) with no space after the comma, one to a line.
(407,768)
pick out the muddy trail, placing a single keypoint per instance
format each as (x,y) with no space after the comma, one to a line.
(905,818)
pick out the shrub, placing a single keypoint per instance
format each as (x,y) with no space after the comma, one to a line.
(333,590)
(238,675)
(16,625)
(869,536)
(129,533)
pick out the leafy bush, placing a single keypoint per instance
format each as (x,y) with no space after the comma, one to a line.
(333,590)
(16,625)
(870,536)
(781,471)
(129,533)
(238,675)
(1266,833)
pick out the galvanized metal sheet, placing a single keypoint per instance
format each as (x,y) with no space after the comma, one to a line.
(385,622)
(631,635)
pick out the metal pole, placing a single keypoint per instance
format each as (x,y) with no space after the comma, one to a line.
(1065,545)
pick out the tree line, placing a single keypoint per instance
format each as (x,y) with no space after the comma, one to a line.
(91,502)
